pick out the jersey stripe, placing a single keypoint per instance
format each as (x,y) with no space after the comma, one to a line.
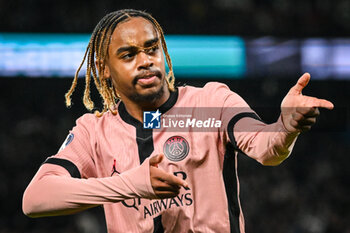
(158,227)
(68,165)
(144,140)
(232,123)
(229,175)
(229,171)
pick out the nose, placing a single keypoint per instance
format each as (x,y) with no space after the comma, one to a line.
(144,61)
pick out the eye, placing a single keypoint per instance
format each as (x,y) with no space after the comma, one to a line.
(127,56)
(152,49)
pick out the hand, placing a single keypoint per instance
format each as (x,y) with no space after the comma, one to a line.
(164,184)
(298,111)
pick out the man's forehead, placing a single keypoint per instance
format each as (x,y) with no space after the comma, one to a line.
(134,31)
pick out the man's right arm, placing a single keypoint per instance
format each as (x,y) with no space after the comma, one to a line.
(54,192)
(66,183)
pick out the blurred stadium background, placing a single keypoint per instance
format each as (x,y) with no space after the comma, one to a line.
(258,48)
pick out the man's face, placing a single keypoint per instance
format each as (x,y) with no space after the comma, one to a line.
(135,61)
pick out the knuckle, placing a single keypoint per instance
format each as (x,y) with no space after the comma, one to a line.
(312,120)
(294,124)
(299,118)
(306,128)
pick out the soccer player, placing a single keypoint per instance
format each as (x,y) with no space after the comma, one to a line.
(158,180)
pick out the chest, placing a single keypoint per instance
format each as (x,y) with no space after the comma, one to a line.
(118,150)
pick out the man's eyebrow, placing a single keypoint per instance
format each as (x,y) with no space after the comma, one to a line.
(126,48)
(148,43)
(151,42)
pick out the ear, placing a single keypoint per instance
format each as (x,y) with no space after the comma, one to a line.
(106,73)
(99,65)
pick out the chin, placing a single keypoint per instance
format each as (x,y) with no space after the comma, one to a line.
(148,94)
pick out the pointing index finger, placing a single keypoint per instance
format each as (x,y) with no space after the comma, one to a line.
(322,103)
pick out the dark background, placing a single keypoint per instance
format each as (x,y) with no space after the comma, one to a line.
(308,193)
(283,18)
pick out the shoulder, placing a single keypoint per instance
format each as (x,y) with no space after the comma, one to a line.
(211,87)
(87,119)
(91,126)
(92,118)
(90,121)
(216,88)
(212,92)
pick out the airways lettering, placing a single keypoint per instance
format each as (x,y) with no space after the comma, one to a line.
(157,206)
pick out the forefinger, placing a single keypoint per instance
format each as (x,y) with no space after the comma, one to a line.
(173,180)
(321,103)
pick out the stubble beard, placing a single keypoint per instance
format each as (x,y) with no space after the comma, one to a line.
(150,97)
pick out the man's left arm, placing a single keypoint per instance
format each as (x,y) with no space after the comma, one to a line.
(271,144)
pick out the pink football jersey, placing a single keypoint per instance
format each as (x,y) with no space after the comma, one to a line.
(105,161)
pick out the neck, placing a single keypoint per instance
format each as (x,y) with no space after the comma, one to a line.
(136,109)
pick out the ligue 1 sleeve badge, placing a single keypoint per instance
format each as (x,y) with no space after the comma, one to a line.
(176,148)
(66,142)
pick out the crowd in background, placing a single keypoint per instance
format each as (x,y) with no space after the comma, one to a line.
(286,18)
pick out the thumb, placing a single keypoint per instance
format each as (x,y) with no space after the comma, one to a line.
(155,160)
(299,86)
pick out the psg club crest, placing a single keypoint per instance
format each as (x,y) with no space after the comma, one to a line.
(151,119)
(176,148)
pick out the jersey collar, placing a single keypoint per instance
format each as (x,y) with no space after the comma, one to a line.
(163,108)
